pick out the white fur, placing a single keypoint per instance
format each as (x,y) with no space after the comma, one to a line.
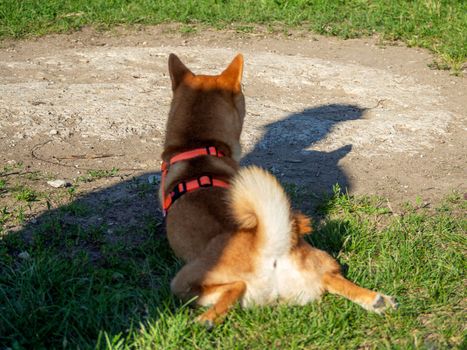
(285,282)
(258,190)
(208,299)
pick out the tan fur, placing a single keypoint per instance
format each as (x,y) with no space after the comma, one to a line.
(243,244)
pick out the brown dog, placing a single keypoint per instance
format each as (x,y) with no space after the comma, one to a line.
(241,242)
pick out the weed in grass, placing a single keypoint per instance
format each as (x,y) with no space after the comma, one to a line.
(2,186)
(142,188)
(244,29)
(188,29)
(34,175)
(438,66)
(5,215)
(25,194)
(11,167)
(98,174)
(71,192)
(76,209)
(20,215)
(93,175)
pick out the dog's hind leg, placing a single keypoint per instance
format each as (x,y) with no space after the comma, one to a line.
(335,283)
(192,281)
(226,296)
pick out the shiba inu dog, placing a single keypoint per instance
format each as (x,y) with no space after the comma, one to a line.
(234,228)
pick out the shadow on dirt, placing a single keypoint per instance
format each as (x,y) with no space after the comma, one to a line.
(111,242)
(284,150)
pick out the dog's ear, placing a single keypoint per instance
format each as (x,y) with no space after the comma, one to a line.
(232,75)
(177,71)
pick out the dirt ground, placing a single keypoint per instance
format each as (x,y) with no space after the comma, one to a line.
(320,110)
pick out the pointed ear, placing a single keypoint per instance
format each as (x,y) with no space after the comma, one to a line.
(232,75)
(177,71)
(343,151)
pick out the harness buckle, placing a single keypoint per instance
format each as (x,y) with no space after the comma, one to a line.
(178,191)
(205,181)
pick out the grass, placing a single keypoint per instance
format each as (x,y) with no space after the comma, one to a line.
(25,194)
(93,175)
(78,288)
(439,25)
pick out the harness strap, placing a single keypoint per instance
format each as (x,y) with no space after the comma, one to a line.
(197,152)
(191,185)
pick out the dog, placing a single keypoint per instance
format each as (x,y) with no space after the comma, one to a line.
(234,227)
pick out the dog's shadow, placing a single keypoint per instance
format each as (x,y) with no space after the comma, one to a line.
(120,227)
(285,150)
(308,175)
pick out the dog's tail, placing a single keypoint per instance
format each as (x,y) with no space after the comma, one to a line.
(259,203)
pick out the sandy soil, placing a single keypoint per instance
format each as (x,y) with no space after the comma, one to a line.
(320,110)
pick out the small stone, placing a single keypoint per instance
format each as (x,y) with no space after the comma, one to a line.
(53,132)
(58,183)
(24,256)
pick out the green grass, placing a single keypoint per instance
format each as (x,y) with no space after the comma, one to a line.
(93,175)
(25,194)
(80,289)
(440,26)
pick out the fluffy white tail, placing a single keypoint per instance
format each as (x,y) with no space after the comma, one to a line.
(259,202)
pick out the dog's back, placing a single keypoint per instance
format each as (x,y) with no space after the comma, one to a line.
(205,111)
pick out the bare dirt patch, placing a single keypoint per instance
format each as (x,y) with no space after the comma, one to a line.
(320,110)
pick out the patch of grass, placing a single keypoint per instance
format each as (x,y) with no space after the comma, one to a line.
(76,209)
(34,175)
(20,214)
(93,175)
(188,29)
(346,204)
(80,289)
(11,167)
(4,217)
(2,186)
(26,194)
(439,25)
(141,187)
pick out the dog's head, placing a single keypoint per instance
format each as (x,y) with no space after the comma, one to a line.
(206,107)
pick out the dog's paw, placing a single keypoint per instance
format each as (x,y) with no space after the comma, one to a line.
(206,320)
(382,303)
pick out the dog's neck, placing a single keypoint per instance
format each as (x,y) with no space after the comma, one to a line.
(171,150)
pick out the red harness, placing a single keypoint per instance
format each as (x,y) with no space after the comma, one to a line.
(191,185)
